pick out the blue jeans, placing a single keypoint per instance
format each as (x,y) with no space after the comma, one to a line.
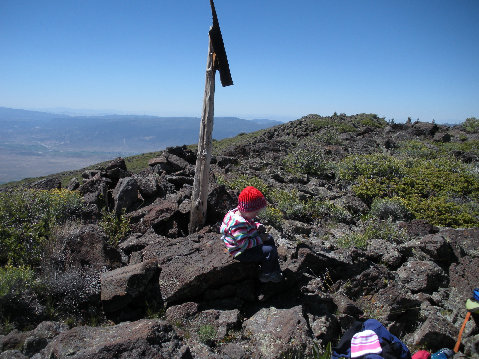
(264,254)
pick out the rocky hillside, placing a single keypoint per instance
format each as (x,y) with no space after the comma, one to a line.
(372,220)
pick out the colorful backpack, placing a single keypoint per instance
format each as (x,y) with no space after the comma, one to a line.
(392,347)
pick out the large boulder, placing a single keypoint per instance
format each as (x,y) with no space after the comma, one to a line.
(273,331)
(95,191)
(47,184)
(143,339)
(148,185)
(38,338)
(192,265)
(127,291)
(436,333)
(125,195)
(116,170)
(164,216)
(83,246)
(421,276)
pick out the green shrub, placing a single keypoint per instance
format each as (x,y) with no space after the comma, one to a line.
(417,149)
(442,190)
(272,216)
(471,125)
(309,161)
(390,208)
(15,280)
(376,165)
(116,227)
(27,218)
(373,229)
(242,181)
(337,124)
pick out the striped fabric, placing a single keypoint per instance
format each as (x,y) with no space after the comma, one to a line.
(239,233)
(365,342)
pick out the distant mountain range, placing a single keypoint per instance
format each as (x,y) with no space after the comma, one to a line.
(34,143)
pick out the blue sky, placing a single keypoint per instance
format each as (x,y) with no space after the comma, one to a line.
(287,58)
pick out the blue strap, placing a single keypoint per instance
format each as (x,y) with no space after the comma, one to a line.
(476,294)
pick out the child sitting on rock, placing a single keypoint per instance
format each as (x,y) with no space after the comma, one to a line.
(245,238)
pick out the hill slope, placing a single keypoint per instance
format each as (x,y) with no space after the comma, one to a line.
(368,218)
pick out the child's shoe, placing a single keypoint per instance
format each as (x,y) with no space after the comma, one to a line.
(274,277)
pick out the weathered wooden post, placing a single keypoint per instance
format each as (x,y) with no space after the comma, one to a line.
(217,60)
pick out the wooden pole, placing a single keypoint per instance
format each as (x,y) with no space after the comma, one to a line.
(203,159)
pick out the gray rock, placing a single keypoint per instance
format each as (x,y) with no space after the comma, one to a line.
(143,339)
(471,345)
(325,328)
(180,313)
(192,265)
(125,195)
(116,163)
(148,185)
(129,286)
(12,340)
(73,185)
(12,354)
(84,246)
(137,241)
(437,247)
(41,335)
(47,184)
(234,351)
(421,276)
(273,331)
(436,333)
(88,174)
(95,191)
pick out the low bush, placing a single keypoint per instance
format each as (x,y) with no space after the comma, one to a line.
(373,229)
(471,125)
(15,280)
(376,165)
(272,216)
(27,218)
(440,190)
(309,161)
(19,290)
(116,227)
(390,208)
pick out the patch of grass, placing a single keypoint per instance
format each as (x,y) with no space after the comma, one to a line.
(138,163)
(316,353)
(207,334)
(414,149)
(376,165)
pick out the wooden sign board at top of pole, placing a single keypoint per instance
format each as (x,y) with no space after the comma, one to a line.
(217,60)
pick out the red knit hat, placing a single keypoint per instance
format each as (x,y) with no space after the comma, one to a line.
(251,199)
